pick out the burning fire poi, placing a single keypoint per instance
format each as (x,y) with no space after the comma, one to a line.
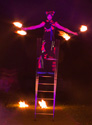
(23,105)
(64,35)
(21,32)
(83,28)
(17,24)
(42,104)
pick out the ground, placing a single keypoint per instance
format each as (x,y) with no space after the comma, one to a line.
(11,114)
(64,115)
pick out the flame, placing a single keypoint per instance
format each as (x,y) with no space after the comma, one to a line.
(23,105)
(21,32)
(83,28)
(17,24)
(64,35)
(42,104)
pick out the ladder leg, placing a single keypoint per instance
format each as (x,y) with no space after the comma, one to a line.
(55,77)
(54,96)
(55,85)
(36,92)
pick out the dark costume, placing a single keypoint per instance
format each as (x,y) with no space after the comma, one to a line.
(48,43)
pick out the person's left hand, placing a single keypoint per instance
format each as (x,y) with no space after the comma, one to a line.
(24,28)
(75,33)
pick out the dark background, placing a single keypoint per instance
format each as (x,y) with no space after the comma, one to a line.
(75,56)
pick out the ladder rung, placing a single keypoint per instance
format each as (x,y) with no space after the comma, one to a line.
(51,59)
(46,98)
(46,84)
(50,73)
(45,76)
(45,91)
(44,113)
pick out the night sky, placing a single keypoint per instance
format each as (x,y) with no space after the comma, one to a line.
(75,57)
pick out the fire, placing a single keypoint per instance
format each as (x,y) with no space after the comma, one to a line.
(23,105)
(42,104)
(64,35)
(83,28)
(21,32)
(17,24)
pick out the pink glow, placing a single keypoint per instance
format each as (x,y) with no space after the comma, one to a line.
(43,48)
(39,62)
(49,17)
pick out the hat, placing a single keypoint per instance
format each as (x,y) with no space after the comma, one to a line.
(50,12)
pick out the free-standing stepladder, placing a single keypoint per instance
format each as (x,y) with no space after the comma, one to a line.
(46,79)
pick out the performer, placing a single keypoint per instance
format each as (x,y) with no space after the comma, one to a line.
(48,42)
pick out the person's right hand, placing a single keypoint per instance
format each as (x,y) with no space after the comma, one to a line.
(24,28)
(75,33)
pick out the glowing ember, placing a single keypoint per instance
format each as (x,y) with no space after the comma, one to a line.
(64,35)
(42,104)
(23,105)
(83,28)
(21,32)
(17,24)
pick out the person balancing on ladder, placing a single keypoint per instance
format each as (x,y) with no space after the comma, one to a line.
(48,42)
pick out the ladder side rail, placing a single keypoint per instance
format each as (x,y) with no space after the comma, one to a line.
(39,40)
(39,44)
(36,92)
(55,76)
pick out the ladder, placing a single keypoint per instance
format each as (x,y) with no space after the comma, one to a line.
(46,80)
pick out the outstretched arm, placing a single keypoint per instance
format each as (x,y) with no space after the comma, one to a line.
(34,27)
(65,29)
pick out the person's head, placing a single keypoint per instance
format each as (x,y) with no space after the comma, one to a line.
(49,17)
(50,14)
